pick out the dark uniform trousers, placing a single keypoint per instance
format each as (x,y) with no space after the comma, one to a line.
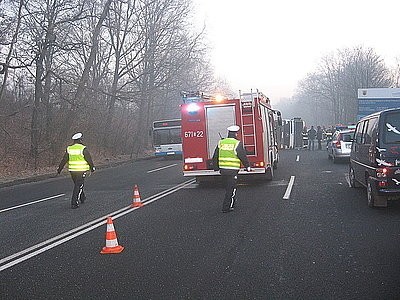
(78,194)
(229,179)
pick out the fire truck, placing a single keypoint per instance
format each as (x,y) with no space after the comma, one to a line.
(205,120)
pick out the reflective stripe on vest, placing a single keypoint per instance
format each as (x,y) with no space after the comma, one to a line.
(76,160)
(227,158)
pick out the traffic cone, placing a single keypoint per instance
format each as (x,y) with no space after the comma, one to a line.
(136,198)
(111,240)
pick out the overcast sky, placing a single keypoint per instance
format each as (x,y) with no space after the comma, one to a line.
(272,44)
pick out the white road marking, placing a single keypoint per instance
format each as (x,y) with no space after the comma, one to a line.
(289,188)
(65,237)
(298,158)
(162,168)
(30,203)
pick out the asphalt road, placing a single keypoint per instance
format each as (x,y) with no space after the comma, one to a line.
(323,242)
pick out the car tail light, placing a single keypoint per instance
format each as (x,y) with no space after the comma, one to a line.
(337,144)
(382,172)
(383,184)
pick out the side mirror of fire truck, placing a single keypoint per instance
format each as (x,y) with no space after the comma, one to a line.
(278,113)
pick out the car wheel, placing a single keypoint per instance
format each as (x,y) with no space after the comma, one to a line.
(375,200)
(352,179)
(370,194)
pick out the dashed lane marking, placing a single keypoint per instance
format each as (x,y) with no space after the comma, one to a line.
(162,168)
(289,188)
(30,203)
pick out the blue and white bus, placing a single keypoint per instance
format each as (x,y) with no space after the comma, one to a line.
(167,139)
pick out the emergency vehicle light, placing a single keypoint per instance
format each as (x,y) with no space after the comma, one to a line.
(192,107)
(219,98)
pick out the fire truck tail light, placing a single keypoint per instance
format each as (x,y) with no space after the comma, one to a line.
(189,167)
(259,164)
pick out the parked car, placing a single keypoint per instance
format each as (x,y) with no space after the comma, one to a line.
(375,157)
(339,147)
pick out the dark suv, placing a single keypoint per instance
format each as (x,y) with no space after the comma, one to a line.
(375,156)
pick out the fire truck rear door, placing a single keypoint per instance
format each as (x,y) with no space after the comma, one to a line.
(218,118)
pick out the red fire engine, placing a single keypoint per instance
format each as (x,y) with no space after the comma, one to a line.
(205,121)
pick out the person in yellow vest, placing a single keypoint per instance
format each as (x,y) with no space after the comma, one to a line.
(79,163)
(227,157)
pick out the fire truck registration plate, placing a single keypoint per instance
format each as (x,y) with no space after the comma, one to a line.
(198,134)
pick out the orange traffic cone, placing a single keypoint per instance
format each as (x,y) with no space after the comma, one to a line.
(136,198)
(111,240)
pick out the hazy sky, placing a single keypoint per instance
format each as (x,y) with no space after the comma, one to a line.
(272,44)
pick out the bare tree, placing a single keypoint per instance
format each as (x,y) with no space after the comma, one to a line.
(339,76)
(6,64)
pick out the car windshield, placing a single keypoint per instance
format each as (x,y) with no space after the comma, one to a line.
(391,134)
(347,137)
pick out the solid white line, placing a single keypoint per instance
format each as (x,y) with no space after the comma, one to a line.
(298,158)
(289,188)
(30,203)
(65,237)
(162,168)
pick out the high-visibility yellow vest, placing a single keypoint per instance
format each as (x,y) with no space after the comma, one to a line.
(227,158)
(76,160)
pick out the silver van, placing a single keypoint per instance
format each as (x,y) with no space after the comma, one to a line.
(375,157)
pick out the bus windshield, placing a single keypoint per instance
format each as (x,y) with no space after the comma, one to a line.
(391,133)
(167,139)
(164,136)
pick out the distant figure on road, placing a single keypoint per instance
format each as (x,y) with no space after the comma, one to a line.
(79,162)
(312,134)
(227,157)
(320,134)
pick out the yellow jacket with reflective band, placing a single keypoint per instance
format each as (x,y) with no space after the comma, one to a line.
(227,155)
(76,161)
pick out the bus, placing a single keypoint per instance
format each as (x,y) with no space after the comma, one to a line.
(167,139)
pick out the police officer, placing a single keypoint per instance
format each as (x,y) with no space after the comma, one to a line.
(79,162)
(227,157)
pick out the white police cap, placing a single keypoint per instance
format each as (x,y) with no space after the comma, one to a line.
(233,128)
(77,136)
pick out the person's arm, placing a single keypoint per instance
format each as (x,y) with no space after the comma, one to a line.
(63,162)
(215,159)
(88,158)
(241,153)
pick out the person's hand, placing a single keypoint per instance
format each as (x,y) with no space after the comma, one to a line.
(92,169)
